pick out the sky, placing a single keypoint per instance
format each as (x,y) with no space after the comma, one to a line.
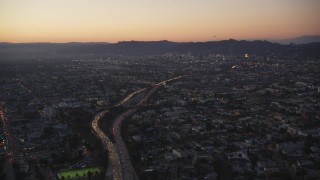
(150,20)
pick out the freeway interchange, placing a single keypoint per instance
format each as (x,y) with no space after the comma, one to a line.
(120,166)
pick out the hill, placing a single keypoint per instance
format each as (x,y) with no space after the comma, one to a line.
(141,48)
(299,40)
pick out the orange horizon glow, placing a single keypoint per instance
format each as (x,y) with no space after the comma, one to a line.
(144,20)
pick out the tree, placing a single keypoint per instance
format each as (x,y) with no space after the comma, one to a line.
(308,142)
(47,132)
(89,174)
(44,161)
(223,167)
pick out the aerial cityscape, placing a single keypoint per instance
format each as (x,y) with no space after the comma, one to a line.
(165,90)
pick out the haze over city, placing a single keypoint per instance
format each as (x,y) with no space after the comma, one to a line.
(178,20)
(159,89)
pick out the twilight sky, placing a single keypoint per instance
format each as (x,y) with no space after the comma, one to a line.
(174,20)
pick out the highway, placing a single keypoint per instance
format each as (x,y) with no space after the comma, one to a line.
(129,97)
(114,166)
(120,166)
(127,168)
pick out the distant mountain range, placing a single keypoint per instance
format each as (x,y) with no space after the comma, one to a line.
(298,40)
(226,47)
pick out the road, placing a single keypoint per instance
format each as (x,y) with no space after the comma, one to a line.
(128,171)
(114,166)
(11,149)
(120,166)
(8,167)
(129,97)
